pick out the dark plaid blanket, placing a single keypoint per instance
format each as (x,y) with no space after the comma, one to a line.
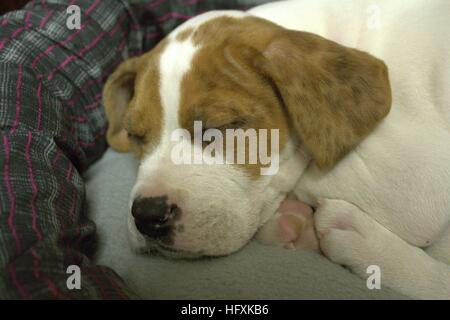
(53,127)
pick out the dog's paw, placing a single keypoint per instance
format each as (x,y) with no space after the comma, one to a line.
(292,227)
(347,236)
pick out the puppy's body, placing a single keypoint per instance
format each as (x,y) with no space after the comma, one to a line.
(381,192)
(400,173)
(399,176)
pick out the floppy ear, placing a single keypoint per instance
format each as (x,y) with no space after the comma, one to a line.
(117,93)
(334,95)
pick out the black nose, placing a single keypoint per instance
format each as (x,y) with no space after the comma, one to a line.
(154,216)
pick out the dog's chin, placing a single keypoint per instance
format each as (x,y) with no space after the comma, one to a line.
(142,244)
(153,247)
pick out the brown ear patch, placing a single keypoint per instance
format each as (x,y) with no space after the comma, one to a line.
(132,103)
(334,95)
(117,93)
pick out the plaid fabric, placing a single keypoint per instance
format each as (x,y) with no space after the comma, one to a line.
(53,127)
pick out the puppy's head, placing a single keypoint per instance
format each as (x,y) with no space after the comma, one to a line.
(233,71)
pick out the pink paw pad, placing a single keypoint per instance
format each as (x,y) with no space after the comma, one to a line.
(292,228)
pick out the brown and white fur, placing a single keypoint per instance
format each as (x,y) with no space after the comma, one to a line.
(377,173)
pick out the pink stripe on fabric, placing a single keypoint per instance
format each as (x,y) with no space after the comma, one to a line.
(53,46)
(11,195)
(43,4)
(50,285)
(93,105)
(135,26)
(18,96)
(27,17)
(116,286)
(32,2)
(17,31)
(53,289)
(45,19)
(114,30)
(90,82)
(92,7)
(61,192)
(154,4)
(118,25)
(23,292)
(58,155)
(74,193)
(35,263)
(175,15)
(190,2)
(74,202)
(92,143)
(78,55)
(69,172)
(99,95)
(98,80)
(39,98)
(81,119)
(103,292)
(73,206)
(67,40)
(34,188)
(122,45)
(152,35)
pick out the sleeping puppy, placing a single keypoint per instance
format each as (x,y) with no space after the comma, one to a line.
(378,176)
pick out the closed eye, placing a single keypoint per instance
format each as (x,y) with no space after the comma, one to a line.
(136,138)
(235,124)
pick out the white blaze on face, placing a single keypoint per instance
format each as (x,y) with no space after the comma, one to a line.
(175,61)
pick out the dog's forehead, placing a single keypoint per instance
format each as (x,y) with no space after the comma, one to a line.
(198,21)
(176,60)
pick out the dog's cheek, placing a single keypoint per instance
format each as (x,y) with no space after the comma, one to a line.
(216,230)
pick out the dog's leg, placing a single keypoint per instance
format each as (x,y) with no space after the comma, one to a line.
(350,237)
